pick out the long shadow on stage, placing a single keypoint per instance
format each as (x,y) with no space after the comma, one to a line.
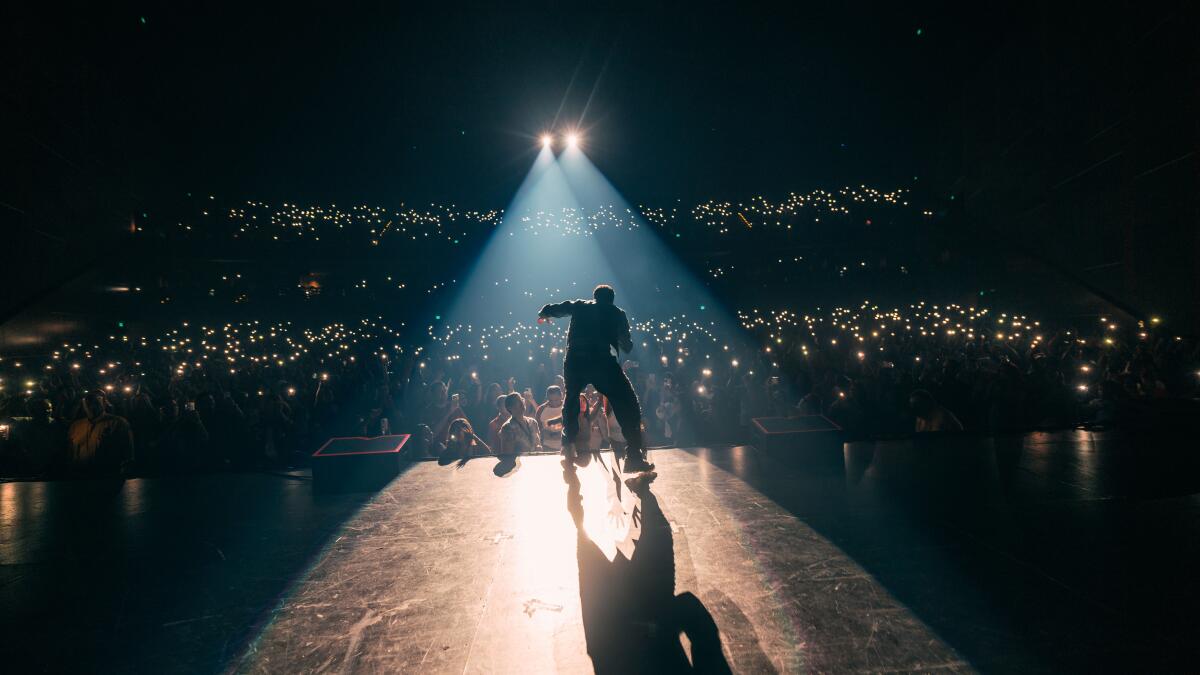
(1062,552)
(632,618)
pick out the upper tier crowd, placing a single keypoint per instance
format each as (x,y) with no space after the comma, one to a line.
(434,224)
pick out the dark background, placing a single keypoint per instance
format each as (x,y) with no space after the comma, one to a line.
(1066,134)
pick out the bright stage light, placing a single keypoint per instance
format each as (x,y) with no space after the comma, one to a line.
(572,140)
(547,139)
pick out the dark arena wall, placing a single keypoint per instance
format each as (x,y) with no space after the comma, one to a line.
(1078,142)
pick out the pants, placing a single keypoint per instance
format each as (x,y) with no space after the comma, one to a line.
(602,371)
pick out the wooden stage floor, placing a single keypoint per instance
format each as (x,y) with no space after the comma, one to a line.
(1049,552)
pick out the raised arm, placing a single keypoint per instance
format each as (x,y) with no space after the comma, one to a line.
(487,448)
(558,309)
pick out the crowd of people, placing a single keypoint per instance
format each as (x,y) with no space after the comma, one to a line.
(260,394)
(207,218)
(995,373)
(207,255)
(264,389)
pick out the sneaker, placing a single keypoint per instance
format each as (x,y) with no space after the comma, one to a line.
(635,462)
(639,483)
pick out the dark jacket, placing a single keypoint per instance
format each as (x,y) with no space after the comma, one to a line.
(594,326)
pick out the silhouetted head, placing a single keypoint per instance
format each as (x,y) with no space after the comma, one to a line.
(604,294)
(205,403)
(810,404)
(93,404)
(460,430)
(40,408)
(921,403)
(514,404)
(554,395)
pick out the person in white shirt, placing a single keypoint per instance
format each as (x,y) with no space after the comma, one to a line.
(520,434)
(550,419)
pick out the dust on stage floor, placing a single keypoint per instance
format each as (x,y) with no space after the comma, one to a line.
(1049,552)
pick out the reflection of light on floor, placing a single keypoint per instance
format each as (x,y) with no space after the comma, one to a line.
(544,535)
(737,457)
(1084,444)
(704,466)
(9,513)
(24,516)
(454,570)
(131,496)
(541,511)
(607,514)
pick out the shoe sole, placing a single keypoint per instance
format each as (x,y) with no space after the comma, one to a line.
(647,468)
(640,480)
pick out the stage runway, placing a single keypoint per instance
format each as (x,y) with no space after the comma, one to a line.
(1052,552)
(456,570)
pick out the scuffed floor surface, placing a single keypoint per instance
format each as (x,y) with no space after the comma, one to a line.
(456,570)
(1049,552)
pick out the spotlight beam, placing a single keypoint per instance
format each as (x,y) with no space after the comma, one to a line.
(656,281)
(532,255)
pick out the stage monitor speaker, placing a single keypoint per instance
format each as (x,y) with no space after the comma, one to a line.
(807,439)
(357,464)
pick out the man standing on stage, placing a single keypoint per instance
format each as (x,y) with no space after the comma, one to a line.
(597,327)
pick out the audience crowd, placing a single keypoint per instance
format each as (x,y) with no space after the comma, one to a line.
(164,395)
(442,225)
(257,394)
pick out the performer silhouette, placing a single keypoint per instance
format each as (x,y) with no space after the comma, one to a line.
(597,327)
